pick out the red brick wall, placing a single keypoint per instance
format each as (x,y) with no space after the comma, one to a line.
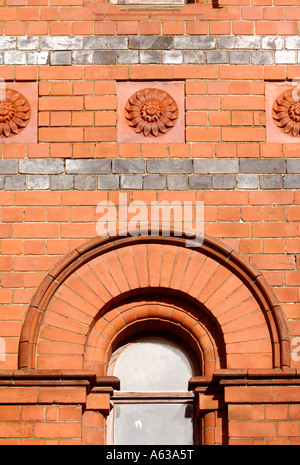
(275,423)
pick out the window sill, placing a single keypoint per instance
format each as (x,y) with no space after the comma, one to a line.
(152,397)
(110,9)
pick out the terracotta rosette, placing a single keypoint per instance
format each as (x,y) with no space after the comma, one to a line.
(286,112)
(15,113)
(151,112)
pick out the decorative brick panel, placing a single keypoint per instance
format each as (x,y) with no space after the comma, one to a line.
(18,113)
(281,113)
(159,96)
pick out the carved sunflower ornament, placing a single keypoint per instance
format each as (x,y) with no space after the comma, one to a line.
(14,113)
(151,112)
(286,112)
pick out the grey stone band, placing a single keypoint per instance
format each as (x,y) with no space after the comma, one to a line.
(113,50)
(150,174)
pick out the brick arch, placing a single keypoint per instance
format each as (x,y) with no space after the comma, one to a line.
(86,287)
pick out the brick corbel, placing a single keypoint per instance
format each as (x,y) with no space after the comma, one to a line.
(98,398)
(209,395)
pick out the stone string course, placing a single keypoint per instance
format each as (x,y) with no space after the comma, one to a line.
(112,50)
(175,174)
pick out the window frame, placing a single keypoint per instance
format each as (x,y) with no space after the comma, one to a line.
(154,397)
(144,5)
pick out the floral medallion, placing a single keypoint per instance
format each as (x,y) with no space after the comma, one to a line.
(286,112)
(14,114)
(151,112)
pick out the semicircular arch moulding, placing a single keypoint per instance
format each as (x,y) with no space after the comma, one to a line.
(115,287)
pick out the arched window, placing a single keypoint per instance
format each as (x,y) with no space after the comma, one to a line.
(151,4)
(153,406)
